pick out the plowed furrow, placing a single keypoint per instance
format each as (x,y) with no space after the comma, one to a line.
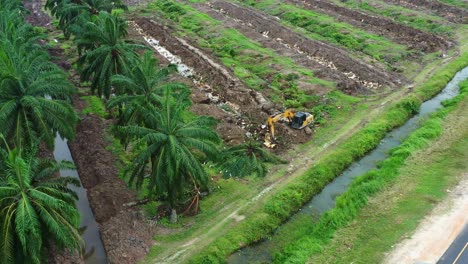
(321,69)
(323,53)
(414,38)
(451,13)
(229,87)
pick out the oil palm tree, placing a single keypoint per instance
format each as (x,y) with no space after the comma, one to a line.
(248,158)
(107,53)
(26,79)
(68,11)
(171,147)
(143,86)
(35,208)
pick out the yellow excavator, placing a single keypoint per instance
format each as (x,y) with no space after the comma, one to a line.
(297,120)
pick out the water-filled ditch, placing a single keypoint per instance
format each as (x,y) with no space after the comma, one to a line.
(94,252)
(261,252)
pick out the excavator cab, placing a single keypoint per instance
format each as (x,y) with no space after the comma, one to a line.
(298,120)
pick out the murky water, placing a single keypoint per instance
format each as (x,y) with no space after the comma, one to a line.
(325,200)
(89,229)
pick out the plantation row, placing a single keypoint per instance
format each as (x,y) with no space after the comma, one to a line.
(151,117)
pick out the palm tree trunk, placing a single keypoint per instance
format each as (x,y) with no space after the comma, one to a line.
(173,216)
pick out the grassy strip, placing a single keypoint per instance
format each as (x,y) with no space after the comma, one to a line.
(326,28)
(349,203)
(457,3)
(259,67)
(404,16)
(280,206)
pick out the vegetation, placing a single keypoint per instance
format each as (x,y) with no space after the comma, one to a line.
(356,196)
(249,158)
(36,208)
(251,62)
(106,52)
(402,15)
(323,27)
(291,198)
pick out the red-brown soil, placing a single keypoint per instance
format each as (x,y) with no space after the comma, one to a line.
(340,58)
(451,13)
(343,83)
(412,37)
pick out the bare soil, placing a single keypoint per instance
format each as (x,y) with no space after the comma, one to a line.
(343,83)
(451,13)
(414,38)
(338,57)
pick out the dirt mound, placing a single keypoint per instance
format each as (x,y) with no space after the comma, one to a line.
(414,38)
(326,52)
(451,13)
(321,70)
(220,79)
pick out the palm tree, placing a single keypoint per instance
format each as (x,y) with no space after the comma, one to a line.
(172,148)
(68,11)
(144,86)
(107,54)
(26,79)
(248,158)
(35,208)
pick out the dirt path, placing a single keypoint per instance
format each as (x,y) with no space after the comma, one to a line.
(437,231)
(451,13)
(379,25)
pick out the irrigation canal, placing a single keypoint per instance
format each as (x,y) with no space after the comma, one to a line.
(94,252)
(261,252)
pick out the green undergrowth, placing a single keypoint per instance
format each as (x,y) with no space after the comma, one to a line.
(404,16)
(260,68)
(349,204)
(323,27)
(456,3)
(94,106)
(278,207)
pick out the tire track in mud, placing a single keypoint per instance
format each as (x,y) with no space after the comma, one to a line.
(370,76)
(451,13)
(378,25)
(321,68)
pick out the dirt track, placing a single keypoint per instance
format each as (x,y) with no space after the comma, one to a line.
(343,62)
(451,13)
(414,38)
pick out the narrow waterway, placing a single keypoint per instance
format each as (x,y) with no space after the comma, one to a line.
(325,200)
(94,252)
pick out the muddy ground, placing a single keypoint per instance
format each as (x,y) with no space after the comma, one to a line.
(414,38)
(340,58)
(451,13)
(125,233)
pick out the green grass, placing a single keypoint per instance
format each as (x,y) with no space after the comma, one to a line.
(404,16)
(288,200)
(323,27)
(349,204)
(94,106)
(457,3)
(260,68)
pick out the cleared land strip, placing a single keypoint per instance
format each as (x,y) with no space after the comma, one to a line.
(451,13)
(414,38)
(210,71)
(337,57)
(321,68)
